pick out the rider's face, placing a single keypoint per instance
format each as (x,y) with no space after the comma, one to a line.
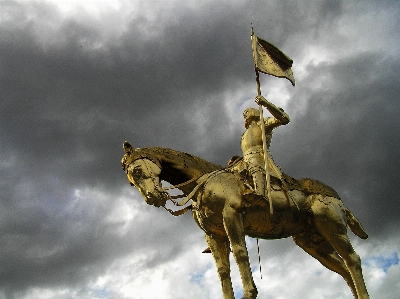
(248,116)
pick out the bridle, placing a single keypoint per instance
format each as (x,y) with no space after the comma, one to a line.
(169,197)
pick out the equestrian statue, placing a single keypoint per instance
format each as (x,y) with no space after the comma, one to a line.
(227,204)
(252,196)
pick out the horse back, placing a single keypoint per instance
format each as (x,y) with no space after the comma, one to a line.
(310,186)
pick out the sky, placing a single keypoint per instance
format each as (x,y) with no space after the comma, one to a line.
(77,78)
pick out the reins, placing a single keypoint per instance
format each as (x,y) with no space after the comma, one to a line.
(180,185)
(203,179)
(188,197)
(173,197)
(183,202)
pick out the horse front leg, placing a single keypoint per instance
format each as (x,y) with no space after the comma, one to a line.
(220,250)
(233,223)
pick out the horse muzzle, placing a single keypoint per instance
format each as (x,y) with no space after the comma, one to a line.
(156,200)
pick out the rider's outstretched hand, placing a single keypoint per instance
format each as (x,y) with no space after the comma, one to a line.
(260,100)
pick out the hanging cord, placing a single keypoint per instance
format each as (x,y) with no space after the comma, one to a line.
(259,257)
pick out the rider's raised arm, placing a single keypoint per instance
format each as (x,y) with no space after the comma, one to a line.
(277,112)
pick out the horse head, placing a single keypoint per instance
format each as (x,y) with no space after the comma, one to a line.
(144,174)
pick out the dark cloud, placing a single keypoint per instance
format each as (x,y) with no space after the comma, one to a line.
(348,134)
(75,85)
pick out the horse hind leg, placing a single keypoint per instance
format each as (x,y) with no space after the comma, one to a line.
(330,222)
(319,248)
(343,246)
(220,250)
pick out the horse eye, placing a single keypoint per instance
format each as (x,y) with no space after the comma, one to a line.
(137,173)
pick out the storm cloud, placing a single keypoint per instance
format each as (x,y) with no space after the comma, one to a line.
(78,78)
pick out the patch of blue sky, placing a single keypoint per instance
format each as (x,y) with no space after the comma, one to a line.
(318,272)
(383,262)
(198,277)
(103,293)
(238,291)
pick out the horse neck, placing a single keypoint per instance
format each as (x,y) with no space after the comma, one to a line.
(178,167)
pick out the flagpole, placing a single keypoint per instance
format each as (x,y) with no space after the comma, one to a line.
(264,139)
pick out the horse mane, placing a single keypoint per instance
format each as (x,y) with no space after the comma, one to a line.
(176,167)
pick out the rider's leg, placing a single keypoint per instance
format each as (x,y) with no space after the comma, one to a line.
(259,182)
(276,172)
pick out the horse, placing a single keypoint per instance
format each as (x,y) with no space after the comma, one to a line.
(317,221)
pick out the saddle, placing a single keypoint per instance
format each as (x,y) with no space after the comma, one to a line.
(306,185)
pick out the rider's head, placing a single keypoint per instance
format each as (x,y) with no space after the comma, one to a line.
(249,115)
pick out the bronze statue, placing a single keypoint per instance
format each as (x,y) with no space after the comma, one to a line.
(252,143)
(317,219)
(225,202)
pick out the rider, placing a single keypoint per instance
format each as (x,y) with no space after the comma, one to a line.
(252,143)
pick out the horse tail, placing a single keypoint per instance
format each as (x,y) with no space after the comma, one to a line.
(355,225)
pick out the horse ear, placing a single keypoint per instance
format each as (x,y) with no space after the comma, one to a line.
(127,147)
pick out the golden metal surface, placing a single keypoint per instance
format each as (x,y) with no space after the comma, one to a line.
(225,211)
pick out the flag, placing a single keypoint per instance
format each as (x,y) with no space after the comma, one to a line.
(269,60)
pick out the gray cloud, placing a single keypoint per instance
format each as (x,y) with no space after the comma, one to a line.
(75,85)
